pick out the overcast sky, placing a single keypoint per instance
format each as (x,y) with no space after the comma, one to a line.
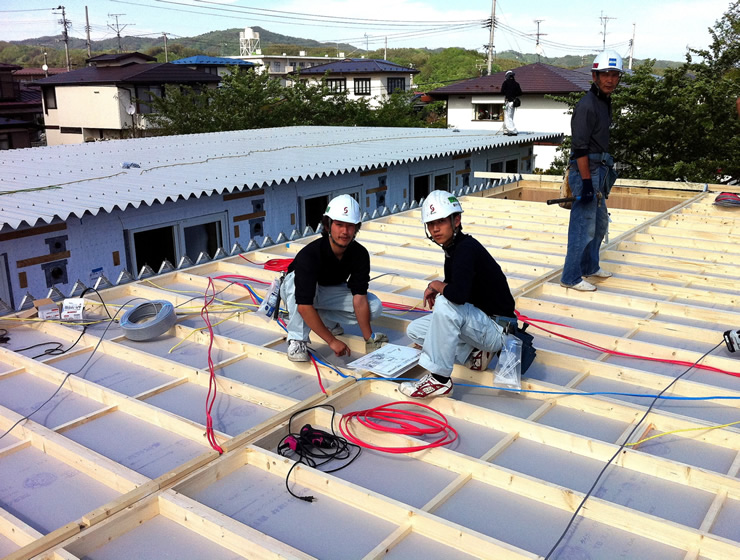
(663,28)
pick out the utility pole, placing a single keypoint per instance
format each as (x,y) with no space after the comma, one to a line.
(118,28)
(65,36)
(538,48)
(385,50)
(490,36)
(166,57)
(632,46)
(604,20)
(87,30)
(367,46)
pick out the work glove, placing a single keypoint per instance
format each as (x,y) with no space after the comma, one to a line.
(376,341)
(587,194)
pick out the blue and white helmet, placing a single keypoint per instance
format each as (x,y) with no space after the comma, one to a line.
(606,61)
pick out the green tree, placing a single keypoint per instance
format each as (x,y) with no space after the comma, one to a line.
(683,125)
(247,99)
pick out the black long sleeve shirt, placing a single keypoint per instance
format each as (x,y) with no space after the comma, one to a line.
(473,276)
(590,123)
(316,264)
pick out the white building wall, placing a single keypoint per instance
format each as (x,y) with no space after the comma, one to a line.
(88,247)
(535,114)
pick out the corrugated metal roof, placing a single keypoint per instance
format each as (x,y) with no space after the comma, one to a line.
(534,78)
(41,184)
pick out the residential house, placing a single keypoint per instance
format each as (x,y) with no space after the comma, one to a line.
(217,65)
(109,100)
(20,111)
(361,78)
(30,75)
(124,205)
(281,65)
(477,104)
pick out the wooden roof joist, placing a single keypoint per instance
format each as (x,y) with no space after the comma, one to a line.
(128,429)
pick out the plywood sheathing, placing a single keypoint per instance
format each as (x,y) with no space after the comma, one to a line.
(672,295)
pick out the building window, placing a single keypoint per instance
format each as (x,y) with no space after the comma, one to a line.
(5,143)
(50,98)
(396,84)
(362,86)
(512,165)
(144,94)
(70,130)
(275,66)
(488,112)
(497,167)
(442,182)
(172,241)
(336,85)
(420,187)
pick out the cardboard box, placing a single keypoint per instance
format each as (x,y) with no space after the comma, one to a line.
(47,308)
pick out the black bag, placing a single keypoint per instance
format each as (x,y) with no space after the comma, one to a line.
(517,102)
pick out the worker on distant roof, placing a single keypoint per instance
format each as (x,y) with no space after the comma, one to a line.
(591,175)
(327,284)
(470,308)
(511,90)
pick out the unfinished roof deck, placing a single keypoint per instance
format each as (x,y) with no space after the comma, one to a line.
(117,465)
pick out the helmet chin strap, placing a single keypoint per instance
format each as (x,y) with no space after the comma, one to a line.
(455,231)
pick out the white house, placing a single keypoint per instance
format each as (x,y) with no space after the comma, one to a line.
(217,65)
(87,214)
(360,77)
(281,65)
(478,104)
(109,99)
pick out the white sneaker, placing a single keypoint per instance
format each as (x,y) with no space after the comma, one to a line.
(297,351)
(426,387)
(601,273)
(479,360)
(582,286)
(336,330)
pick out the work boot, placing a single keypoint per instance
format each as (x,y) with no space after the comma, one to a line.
(601,273)
(297,351)
(582,286)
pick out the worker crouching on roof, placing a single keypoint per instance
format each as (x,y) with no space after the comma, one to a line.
(327,284)
(470,309)
(591,175)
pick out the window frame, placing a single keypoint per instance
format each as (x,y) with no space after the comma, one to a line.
(363,86)
(336,85)
(391,84)
(178,230)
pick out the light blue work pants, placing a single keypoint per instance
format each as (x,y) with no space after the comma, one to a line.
(450,333)
(333,303)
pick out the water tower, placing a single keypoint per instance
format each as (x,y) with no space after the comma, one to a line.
(249,42)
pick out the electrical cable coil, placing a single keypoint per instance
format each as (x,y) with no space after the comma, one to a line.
(148,320)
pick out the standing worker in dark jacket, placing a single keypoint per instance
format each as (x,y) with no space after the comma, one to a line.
(591,175)
(511,90)
(470,307)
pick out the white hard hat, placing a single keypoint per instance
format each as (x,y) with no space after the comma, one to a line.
(606,61)
(344,208)
(509,73)
(439,204)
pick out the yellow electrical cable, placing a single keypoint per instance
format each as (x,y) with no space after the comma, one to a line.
(200,329)
(679,431)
